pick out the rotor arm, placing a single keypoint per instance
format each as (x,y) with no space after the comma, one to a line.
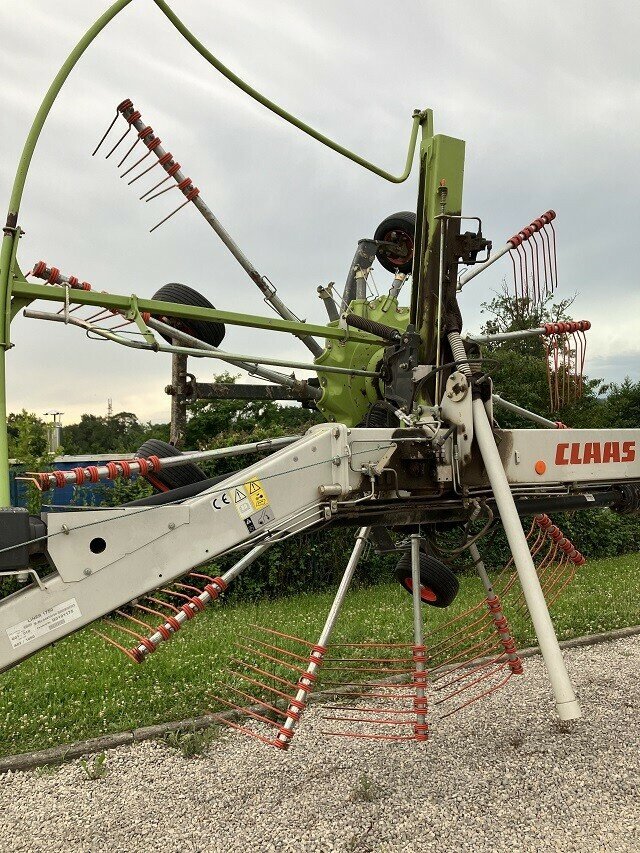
(106,558)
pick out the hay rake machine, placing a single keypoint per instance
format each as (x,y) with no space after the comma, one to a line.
(409,446)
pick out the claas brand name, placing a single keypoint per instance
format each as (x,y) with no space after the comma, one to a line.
(595,452)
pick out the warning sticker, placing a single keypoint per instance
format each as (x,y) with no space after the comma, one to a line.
(257,494)
(43,623)
(259,519)
(248,498)
(241,502)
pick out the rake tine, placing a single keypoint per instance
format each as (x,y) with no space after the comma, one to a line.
(130,653)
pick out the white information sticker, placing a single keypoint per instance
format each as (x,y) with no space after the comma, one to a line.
(43,623)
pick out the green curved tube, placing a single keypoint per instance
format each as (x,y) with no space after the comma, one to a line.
(305,128)
(10,234)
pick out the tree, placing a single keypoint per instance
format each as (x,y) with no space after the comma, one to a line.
(27,436)
(519,367)
(621,408)
(121,433)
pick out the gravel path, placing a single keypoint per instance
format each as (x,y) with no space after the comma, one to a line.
(501,776)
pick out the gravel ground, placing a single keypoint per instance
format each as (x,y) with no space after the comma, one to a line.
(500,776)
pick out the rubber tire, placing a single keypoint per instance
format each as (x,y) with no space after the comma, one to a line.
(404,222)
(203,330)
(435,575)
(172,478)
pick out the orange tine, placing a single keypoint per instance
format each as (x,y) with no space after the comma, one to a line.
(463,633)
(470,652)
(370,710)
(257,683)
(468,673)
(177,594)
(369,660)
(136,621)
(304,659)
(559,592)
(188,586)
(124,650)
(248,712)
(480,650)
(291,666)
(554,573)
(244,730)
(370,695)
(377,669)
(280,634)
(403,686)
(201,576)
(471,684)
(371,645)
(368,736)
(456,620)
(251,698)
(563,568)
(162,603)
(263,672)
(372,722)
(478,697)
(138,637)
(445,653)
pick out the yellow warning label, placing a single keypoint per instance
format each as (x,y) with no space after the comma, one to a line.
(257,494)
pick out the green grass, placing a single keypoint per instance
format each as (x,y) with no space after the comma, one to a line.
(83,688)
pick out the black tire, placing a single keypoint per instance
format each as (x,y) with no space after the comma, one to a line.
(397,228)
(438,584)
(171,478)
(380,415)
(203,330)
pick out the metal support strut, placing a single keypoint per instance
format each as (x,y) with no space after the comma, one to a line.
(308,679)
(566,703)
(419,651)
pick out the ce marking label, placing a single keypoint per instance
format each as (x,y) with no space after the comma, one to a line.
(220,501)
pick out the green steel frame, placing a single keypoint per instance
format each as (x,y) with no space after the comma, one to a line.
(441,159)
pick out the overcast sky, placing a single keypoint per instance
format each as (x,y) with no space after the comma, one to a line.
(547,97)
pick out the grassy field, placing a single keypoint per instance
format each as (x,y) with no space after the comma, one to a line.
(83,688)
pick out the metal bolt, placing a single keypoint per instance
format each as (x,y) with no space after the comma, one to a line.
(65,529)
(171,525)
(86,572)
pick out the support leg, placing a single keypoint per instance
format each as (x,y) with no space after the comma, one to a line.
(308,679)
(419,652)
(566,702)
(178,399)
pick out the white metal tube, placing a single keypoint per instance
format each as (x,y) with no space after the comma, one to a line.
(536,332)
(267,289)
(252,368)
(195,353)
(204,596)
(316,660)
(524,413)
(505,634)
(171,461)
(566,702)
(481,267)
(417,621)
